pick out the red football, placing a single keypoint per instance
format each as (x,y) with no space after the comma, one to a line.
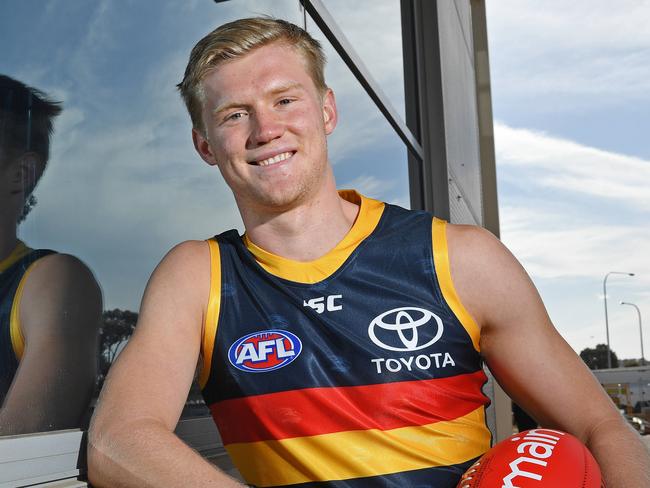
(538,458)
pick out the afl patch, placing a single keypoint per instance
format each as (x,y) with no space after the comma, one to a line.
(264,351)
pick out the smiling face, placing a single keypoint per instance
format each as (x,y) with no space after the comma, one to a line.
(266,127)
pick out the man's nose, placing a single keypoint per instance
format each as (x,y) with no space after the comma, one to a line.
(267,126)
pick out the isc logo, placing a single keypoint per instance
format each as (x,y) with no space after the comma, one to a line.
(264,351)
(320,304)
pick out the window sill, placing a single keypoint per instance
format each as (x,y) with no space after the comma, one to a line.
(56,459)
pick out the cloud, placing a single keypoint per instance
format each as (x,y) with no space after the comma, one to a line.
(572,51)
(562,215)
(560,250)
(568,259)
(377,41)
(592,24)
(124,183)
(572,211)
(565,165)
(369,185)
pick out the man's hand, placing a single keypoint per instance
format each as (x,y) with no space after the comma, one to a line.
(532,362)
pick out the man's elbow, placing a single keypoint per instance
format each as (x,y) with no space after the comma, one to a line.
(106,450)
(97,455)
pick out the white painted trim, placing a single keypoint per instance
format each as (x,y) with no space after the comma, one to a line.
(52,459)
(39,458)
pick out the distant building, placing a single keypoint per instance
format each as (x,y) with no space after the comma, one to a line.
(628,387)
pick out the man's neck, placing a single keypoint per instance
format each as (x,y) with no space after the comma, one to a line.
(8,237)
(305,232)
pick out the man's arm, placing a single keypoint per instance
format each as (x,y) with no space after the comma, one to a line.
(532,362)
(60,312)
(131,439)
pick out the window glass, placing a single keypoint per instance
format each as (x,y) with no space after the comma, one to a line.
(375,33)
(374,158)
(122,183)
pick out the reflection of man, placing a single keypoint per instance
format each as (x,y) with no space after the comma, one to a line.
(50,304)
(334,347)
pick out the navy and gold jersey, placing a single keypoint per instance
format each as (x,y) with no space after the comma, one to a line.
(13,274)
(359,369)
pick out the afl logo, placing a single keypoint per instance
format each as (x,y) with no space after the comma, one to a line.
(263,351)
(398,329)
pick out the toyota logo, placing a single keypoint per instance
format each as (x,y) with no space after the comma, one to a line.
(404,323)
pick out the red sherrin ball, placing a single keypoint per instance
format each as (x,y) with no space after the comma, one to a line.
(538,458)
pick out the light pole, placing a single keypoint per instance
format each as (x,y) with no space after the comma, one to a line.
(609,351)
(640,329)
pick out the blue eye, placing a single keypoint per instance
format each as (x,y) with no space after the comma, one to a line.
(235,116)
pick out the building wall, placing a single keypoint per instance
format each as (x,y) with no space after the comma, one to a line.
(469,145)
(460,112)
(626,386)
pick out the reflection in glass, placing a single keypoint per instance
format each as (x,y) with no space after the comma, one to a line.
(50,303)
(123,183)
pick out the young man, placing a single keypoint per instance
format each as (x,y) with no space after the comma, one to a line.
(334,348)
(50,304)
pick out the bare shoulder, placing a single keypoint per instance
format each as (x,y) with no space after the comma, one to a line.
(473,243)
(184,271)
(179,287)
(62,269)
(61,291)
(185,258)
(486,275)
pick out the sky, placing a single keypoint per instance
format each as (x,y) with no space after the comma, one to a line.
(569,91)
(570,88)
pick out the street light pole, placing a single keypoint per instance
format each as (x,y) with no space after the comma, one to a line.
(609,351)
(640,329)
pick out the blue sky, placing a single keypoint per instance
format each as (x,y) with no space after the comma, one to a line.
(569,83)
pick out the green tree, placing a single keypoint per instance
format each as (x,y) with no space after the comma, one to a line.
(117,327)
(596,358)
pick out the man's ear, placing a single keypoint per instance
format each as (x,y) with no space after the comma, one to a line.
(202,146)
(330,115)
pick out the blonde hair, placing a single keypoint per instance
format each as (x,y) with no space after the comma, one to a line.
(236,39)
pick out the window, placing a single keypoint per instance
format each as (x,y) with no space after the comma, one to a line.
(123,183)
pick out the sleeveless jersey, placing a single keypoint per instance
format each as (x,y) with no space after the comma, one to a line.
(359,369)
(13,273)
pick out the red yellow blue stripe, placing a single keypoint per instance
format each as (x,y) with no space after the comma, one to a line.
(317,411)
(362,453)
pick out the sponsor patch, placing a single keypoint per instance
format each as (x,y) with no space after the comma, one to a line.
(400,329)
(264,351)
